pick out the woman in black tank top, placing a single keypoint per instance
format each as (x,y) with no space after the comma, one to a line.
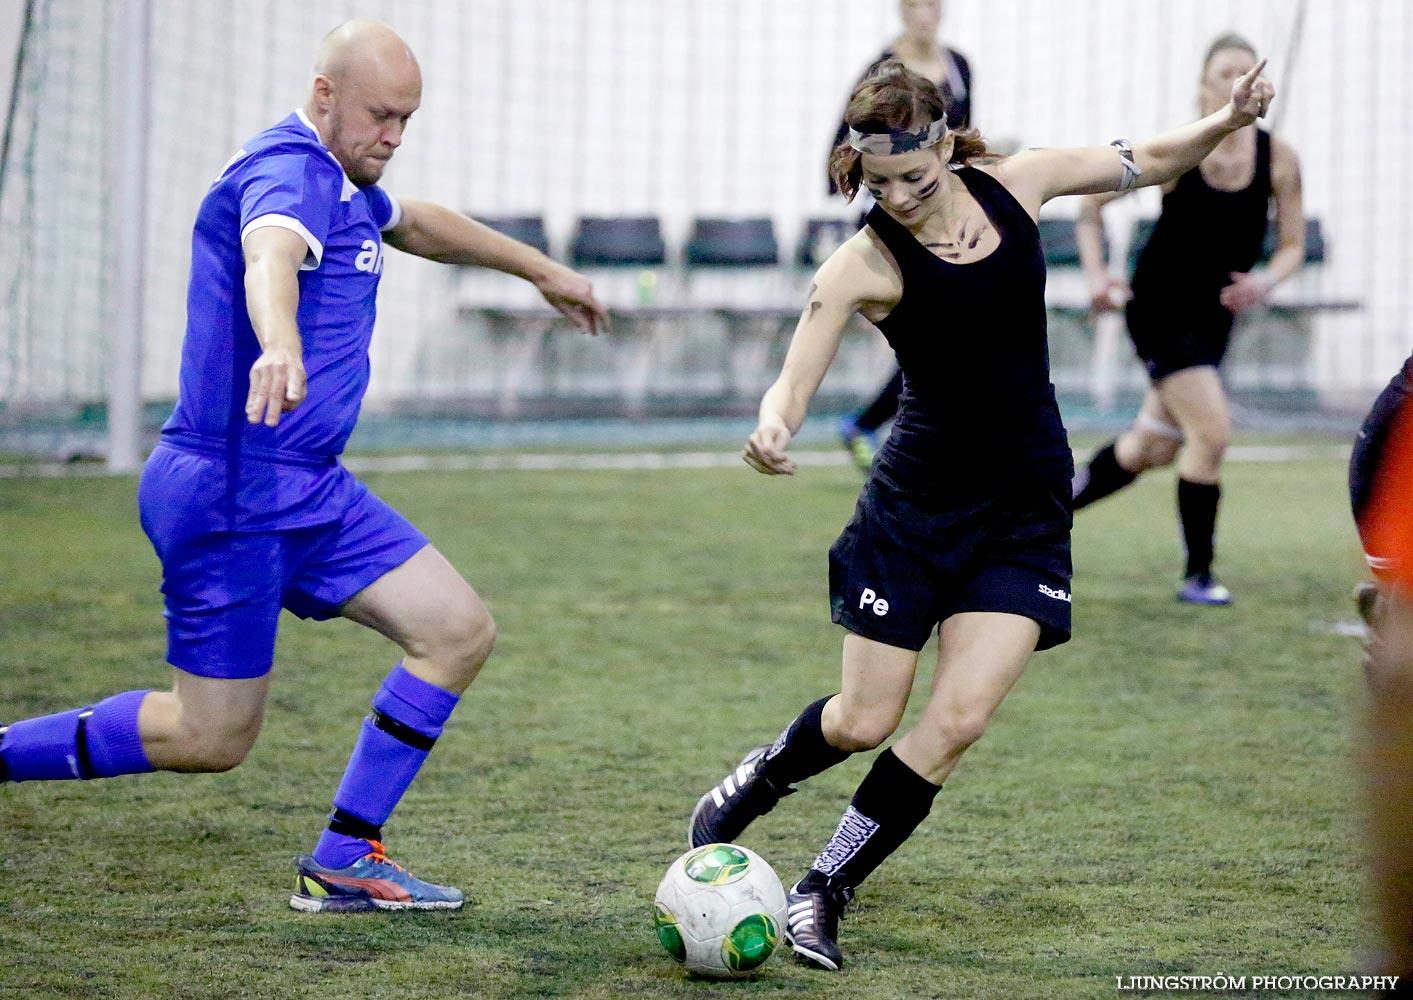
(963,524)
(1191,281)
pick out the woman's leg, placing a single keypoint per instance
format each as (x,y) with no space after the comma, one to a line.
(1197,401)
(1152,442)
(980,657)
(876,681)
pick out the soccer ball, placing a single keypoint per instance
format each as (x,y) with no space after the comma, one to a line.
(720,910)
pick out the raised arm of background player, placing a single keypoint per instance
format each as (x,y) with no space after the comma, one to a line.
(273,256)
(1110,291)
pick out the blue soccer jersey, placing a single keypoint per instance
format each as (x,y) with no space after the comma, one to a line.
(287,477)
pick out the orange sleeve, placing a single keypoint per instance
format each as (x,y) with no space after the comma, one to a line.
(1391,509)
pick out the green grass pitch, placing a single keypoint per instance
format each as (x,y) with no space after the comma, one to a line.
(1171,792)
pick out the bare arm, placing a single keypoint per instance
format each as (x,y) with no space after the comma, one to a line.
(839,289)
(436,233)
(1106,291)
(1037,175)
(272,260)
(1247,289)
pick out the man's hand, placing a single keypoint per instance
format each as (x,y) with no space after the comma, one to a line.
(573,295)
(276,385)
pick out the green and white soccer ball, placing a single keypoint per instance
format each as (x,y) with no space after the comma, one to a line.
(720,910)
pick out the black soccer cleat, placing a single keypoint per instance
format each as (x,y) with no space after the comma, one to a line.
(812,924)
(743,796)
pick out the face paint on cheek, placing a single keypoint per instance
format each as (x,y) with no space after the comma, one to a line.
(927,191)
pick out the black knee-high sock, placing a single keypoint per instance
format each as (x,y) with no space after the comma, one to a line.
(1102,476)
(801,751)
(888,806)
(1197,510)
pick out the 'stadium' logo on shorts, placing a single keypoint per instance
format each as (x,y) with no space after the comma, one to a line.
(869,598)
(1059,595)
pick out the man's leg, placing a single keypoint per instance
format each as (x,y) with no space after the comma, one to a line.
(222,610)
(446,633)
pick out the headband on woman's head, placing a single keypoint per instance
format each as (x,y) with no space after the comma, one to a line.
(898,140)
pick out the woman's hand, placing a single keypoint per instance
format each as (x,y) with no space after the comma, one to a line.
(765,449)
(1108,293)
(1251,96)
(1245,291)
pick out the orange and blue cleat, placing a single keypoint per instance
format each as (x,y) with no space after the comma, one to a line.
(370,883)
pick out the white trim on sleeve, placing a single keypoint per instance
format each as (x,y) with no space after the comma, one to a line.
(316,249)
(395,217)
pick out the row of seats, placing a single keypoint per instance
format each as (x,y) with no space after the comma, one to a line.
(637,241)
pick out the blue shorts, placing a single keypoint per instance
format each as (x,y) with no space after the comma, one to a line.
(903,564)
(224,589)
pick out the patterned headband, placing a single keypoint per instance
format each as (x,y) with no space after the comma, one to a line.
(898,140)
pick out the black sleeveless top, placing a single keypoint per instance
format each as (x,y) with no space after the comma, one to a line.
(978,410)
(1201,237)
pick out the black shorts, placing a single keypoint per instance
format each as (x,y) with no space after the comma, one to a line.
(1172,340)
(1368,453)
(905,563)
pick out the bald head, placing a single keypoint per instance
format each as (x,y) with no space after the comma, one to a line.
(358,46)
(366,86)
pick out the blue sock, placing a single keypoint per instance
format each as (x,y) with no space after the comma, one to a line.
(383,764)
(48,748)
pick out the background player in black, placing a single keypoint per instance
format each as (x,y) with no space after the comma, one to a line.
(1191,281)
(921,50)
(964,520)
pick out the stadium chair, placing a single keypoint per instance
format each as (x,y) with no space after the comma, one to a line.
(626,257)
(514,315)
(613,241)
(820,238)
(525,228)
(732,272)
(1314,242)
(731,243)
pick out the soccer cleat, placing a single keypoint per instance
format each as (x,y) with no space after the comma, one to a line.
(1204,590)
(812,924)
(743,796)
(370,883)
(858,442)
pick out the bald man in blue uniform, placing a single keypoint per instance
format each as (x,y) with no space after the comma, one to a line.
(245,499)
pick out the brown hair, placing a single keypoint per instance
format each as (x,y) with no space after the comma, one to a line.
(1231,40)
(894,97)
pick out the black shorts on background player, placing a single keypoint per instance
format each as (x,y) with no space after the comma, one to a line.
(1176,319)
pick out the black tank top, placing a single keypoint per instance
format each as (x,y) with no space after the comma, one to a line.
(978,410)
(1202,236)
